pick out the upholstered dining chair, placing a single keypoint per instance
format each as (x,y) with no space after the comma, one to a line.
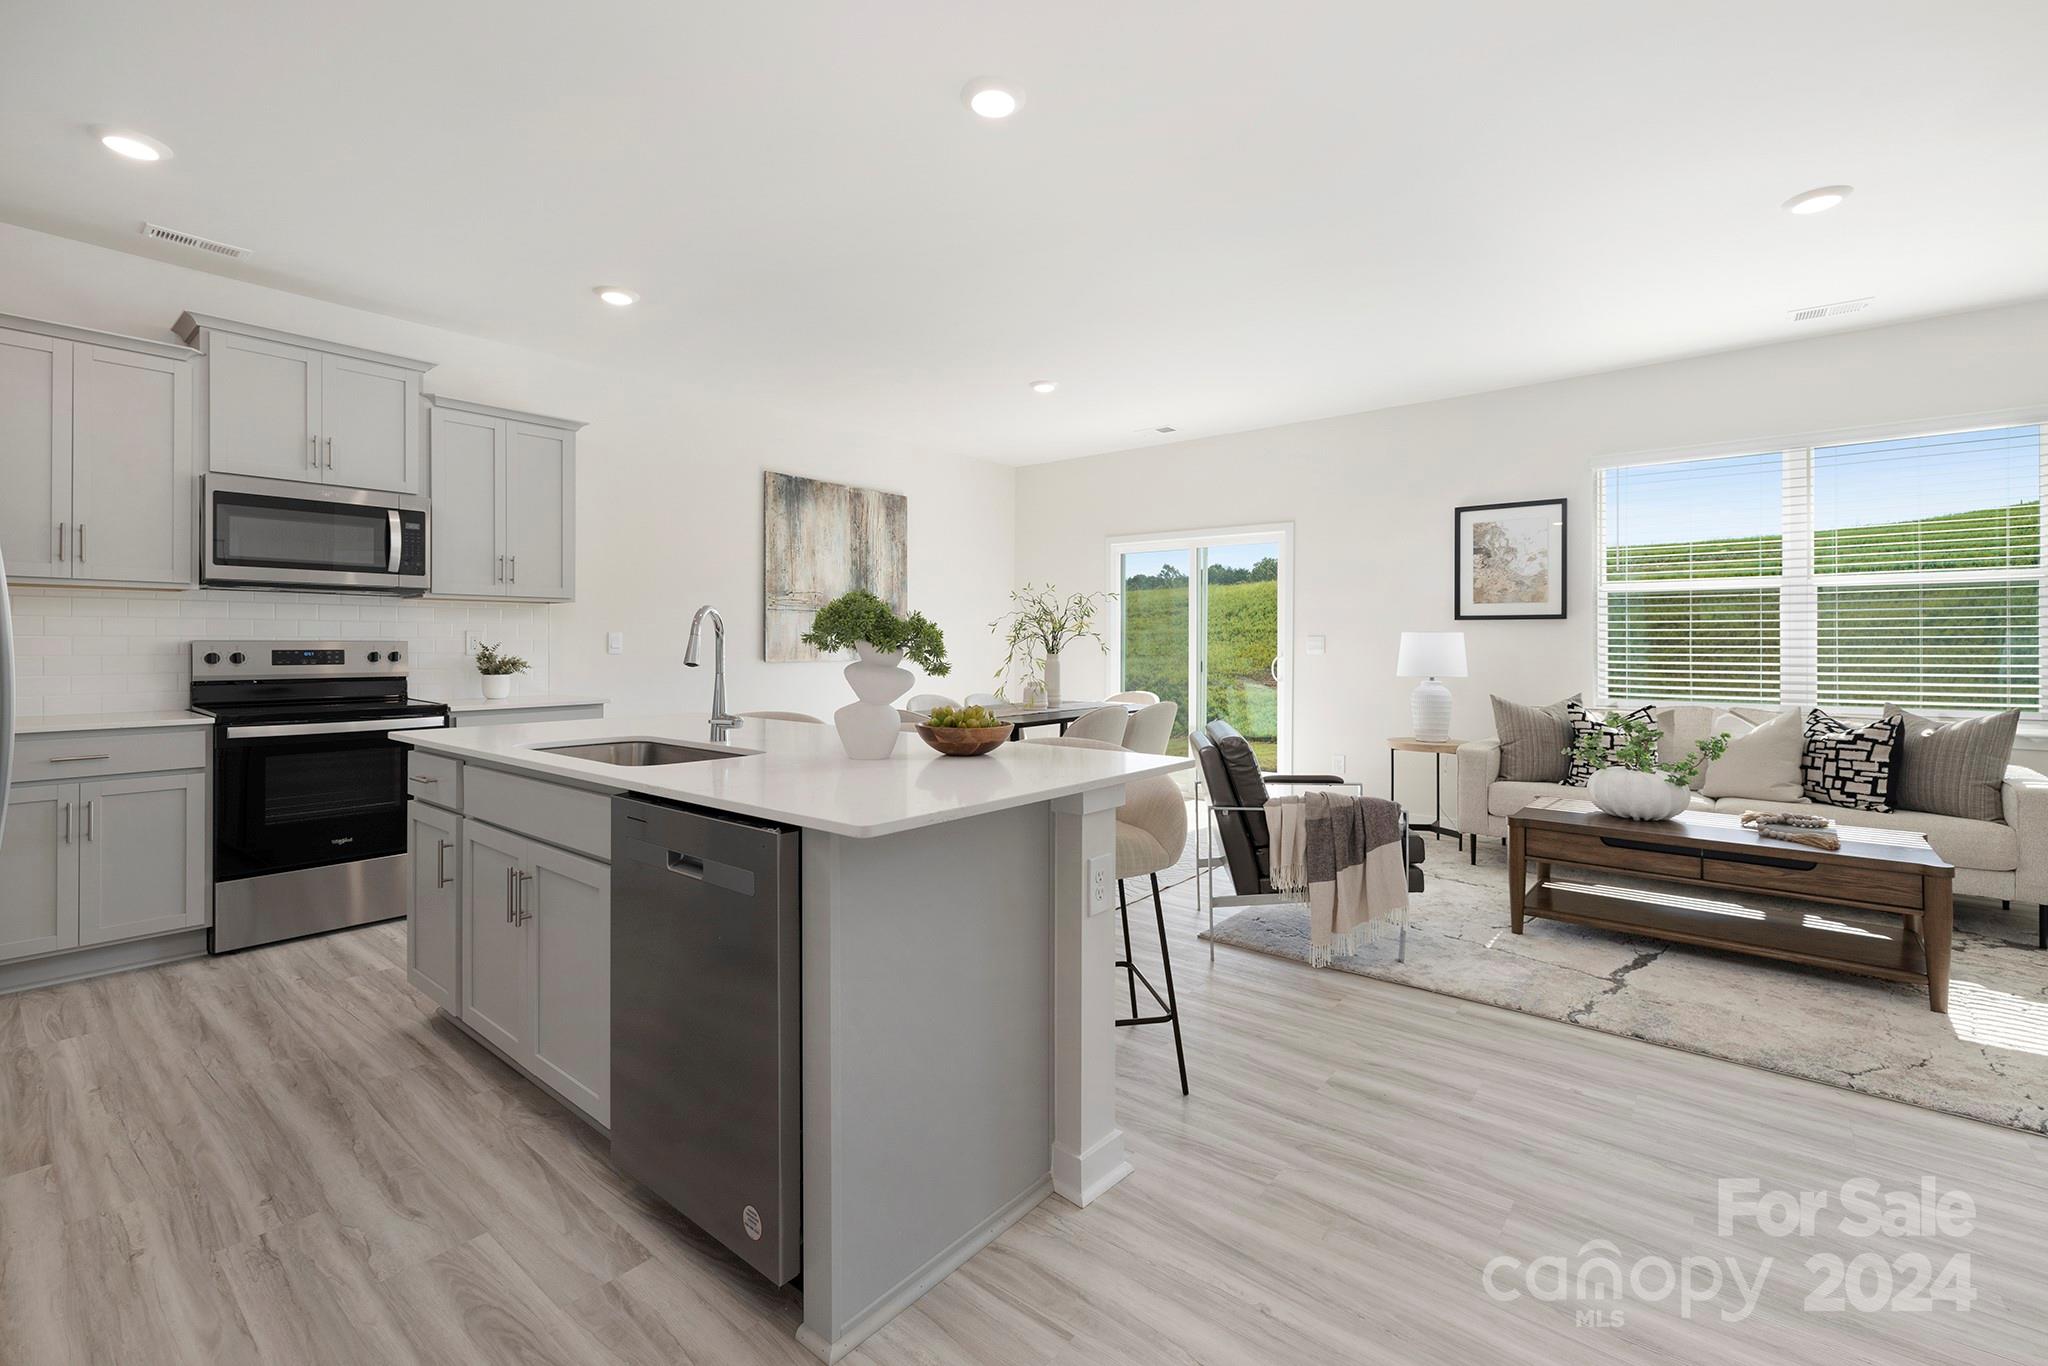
(1151,727)
(1151,834)
(925,701)
(784,716)
(983,699)
(1137,697)
(1103,723)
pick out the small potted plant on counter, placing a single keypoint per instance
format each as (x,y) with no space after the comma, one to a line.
(963,731)
(881,640)
(1629,780)
(498,669)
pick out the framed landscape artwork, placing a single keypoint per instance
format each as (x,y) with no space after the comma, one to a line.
(1509,559)
(820,540)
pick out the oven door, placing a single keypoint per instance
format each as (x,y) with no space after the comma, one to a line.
(291,797)
(279,534)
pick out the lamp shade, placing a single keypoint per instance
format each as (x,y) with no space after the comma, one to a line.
(1431,654)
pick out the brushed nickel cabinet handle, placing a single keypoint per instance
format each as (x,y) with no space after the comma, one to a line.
(330,452)
(88,816)
(511,880)
(67,822)
(81,542)
(515,568)
(76,758)
(423,778)
(441,848)
(313,452)
(525,881)
(60,541)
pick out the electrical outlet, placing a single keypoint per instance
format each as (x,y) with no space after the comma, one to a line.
(615,642)
(1336,763)
(472,641)
(1101,883)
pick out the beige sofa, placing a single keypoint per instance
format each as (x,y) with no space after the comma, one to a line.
(2006,859)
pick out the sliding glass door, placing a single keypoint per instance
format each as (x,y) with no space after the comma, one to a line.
(1202,618)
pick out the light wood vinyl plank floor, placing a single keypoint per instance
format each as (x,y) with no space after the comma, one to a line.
(283,1156)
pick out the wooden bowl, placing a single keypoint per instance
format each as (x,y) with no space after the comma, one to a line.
(962,741)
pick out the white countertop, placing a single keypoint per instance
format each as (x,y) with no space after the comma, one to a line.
(92,721)
(535,702)
(797,774)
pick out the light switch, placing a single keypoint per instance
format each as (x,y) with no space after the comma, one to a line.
(615,642)
(1336,763)
(1316,645)
(1101,883)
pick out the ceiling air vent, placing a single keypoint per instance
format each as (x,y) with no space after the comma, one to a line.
(1165,430)
(1807,315)
(195,241)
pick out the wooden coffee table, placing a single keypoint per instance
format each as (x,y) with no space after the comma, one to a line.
(1704,879)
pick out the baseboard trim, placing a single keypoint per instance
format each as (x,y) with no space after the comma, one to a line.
(913,1287)
(75,965)
(1079,1178)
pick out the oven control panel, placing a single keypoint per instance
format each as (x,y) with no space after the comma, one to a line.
(216,659)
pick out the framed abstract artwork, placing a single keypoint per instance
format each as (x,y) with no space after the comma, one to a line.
(820,540)
(1509,560)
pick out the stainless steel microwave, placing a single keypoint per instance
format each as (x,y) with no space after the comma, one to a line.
(275,533)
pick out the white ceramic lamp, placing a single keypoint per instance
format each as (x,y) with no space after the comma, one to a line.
(1429,656)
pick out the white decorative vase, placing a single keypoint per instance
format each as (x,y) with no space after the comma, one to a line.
(1052,679)
(497,686)
(870,727)
(1429,711)
(1638,796)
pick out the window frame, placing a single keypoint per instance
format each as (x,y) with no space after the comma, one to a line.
(1798,584)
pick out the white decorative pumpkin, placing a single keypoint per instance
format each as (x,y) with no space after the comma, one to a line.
(1638,796)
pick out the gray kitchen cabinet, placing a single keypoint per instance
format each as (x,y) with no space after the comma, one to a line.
(504,491)
(141,856)
(96,456)
(496,964)
(281,406)
(433,957)
(569,910)
(39,871)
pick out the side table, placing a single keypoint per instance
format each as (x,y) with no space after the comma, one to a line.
(1408,744)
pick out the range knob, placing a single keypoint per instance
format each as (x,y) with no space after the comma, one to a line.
(238,658)
(393,656)
(213,656)
(374,656)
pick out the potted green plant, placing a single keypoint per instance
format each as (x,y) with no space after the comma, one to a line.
(1040,624)
(1630,781)
(498,669)
(881,641)
(963,730)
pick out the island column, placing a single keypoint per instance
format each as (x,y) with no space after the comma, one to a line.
(1087,1144)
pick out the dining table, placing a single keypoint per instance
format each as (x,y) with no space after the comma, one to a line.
(1023,718)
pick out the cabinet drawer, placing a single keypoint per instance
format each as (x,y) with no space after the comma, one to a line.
(1610,851)
(1817,877)
(565,816)
(93,754)
(434,778)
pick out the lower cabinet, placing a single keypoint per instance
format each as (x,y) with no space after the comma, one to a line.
(92,863)
(536,959)
(433,952)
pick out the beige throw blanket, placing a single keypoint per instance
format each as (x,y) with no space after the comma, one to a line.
(1342,854)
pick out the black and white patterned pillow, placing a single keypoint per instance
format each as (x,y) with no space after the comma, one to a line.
(1579,774)
(1847,765)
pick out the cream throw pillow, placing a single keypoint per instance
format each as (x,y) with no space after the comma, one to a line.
(1764,764)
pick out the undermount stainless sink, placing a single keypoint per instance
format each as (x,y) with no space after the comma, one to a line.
(640,753)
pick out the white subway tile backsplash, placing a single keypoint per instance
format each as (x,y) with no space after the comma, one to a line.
(87,650)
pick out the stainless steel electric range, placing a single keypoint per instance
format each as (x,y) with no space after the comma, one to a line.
(308,783)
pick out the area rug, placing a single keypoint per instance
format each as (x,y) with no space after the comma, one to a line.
(1987,1059)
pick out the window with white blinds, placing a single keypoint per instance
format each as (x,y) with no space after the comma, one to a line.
(1900,571)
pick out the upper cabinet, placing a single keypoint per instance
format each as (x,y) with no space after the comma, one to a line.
(96,457)
(280,406)
(504,495)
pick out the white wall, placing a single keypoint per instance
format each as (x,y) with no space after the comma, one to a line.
(669,488)
(1370,496)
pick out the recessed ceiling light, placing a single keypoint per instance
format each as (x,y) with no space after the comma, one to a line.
(617,297)
(134,146)
(1820,200)
(1043,386)
(992,99)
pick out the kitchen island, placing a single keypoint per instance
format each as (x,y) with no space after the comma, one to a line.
(957,1038)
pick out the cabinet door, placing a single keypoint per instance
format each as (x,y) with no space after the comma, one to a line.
(141,856)
(540,511)
(262,408)
(131,466)
(35,454)
(433,923)
(570,900)
(39,871)
(467,455)
(370,424)
(496,976)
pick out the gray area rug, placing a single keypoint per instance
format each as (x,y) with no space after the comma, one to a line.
(1986,1059)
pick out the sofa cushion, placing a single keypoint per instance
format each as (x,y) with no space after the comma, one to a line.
(1762,765)
(1533,740)
(1956,768)
(1992,846)
(1584,723)
(1682,726)
(1505,799)
(1849,765)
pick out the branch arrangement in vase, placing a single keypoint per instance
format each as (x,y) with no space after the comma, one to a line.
(1041,623)
(861,618)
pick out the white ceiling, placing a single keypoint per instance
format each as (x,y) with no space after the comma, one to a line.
(1213,214)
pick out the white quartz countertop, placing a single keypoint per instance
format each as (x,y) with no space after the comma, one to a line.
(797,774)
(534,702)
(125,720)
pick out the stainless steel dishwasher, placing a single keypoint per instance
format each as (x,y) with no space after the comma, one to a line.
(706,1014)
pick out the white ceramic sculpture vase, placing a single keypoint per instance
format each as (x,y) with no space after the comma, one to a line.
(869,728)
(1638,796)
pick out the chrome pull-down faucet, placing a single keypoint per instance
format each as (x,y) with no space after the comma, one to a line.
(719,715)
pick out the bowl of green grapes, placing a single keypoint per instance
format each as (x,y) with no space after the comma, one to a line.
(963,731)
